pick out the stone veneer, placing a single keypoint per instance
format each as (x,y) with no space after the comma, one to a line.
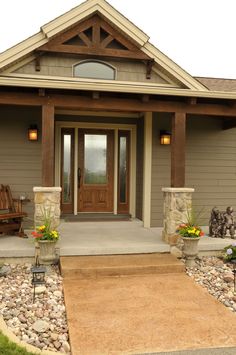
(47,199)
(177,201)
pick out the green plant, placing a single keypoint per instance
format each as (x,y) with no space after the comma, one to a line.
(229,252)
(9,348)
(44,231)
(190,228)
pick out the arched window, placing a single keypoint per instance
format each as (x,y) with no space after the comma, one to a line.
(93,69)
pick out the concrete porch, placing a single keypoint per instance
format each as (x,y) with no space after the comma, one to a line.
(104,238)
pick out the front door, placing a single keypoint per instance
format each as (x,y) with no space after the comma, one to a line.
(95,170)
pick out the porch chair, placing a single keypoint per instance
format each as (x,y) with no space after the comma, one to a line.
(11,215)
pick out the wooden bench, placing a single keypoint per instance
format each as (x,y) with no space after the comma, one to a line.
(11,215)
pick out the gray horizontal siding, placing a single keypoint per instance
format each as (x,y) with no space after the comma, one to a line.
(210,165)
(59,66)
(160,168)
(20,160)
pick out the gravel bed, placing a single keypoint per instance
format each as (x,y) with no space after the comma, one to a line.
(217,277)
(42,323)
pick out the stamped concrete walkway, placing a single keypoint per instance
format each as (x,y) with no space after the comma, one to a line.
(144,314)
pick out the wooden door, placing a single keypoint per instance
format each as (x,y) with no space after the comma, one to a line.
(95,170)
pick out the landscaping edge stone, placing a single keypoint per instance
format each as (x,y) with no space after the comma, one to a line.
(12,337)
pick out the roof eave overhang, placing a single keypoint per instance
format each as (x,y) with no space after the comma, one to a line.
(110,86)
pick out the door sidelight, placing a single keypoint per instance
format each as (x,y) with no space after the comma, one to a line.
(79,177)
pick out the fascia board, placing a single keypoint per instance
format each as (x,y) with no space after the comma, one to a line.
(22,49)
(20,63)
(172,67)
(106,85)
(85,80)
(69,18)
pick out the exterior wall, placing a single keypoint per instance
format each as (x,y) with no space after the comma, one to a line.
(210,165)
(59,66)
(20,160)
(160,167)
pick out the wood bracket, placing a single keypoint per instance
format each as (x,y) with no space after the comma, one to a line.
(145,98)
(41,92)
(149,65)
(95,95)
(192,100)
(37,63)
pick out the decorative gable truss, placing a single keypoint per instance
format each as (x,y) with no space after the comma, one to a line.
(96,38)
(93,29)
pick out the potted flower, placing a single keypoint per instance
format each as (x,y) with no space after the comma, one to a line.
(190,233)
(46,239)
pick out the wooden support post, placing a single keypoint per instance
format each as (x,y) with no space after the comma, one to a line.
(47,145)
(178,150)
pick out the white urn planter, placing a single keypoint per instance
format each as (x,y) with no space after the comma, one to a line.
(47,252)
(190,250)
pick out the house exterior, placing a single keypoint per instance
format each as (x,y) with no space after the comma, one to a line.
(100,94)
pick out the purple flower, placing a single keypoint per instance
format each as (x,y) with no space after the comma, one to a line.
(234,244)
(229,251)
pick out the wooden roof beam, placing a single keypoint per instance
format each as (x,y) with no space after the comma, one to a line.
(114,104)
(149,65)
(101,52)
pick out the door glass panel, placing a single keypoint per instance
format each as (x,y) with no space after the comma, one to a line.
(66,168)
(95,159)
(122,168)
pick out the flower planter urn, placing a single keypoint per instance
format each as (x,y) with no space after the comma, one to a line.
(47,252)
(190,250)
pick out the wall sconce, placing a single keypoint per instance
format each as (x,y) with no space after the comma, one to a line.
(33,133)
(165,138)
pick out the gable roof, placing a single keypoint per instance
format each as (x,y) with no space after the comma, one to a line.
(83,11)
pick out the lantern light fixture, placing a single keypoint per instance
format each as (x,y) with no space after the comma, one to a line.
(38,278)
(33,133)
(165,137)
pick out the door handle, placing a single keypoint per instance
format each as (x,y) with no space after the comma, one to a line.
(79,176)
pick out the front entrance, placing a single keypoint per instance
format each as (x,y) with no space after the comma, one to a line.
(97,170)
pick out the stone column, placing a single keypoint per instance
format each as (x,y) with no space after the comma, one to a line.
(177,202)
(47,199)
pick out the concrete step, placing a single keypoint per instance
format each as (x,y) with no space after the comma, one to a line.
(77,267)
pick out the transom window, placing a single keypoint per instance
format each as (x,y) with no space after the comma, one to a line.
(94,69)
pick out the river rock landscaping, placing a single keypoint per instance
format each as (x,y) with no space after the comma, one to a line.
(42,323)
(217,277)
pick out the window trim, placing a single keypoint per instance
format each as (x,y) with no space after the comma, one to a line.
(94,61)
